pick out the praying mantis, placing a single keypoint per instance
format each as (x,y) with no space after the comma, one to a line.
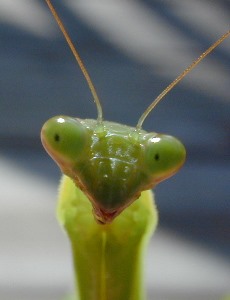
(105,202)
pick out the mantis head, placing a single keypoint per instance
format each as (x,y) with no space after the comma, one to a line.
(110,162)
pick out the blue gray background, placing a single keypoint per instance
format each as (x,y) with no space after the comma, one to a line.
(133,50)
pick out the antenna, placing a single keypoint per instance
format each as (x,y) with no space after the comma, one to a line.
(79,61)
(179,78)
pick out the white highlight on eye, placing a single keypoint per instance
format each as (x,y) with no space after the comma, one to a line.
(155,140)
(61,120)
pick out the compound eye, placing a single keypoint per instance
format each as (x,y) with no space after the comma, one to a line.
(64,138)
(164,156)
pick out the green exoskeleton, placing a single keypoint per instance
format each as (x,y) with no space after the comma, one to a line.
(111,163)
(109,169)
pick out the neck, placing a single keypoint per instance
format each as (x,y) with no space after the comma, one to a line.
(108,259)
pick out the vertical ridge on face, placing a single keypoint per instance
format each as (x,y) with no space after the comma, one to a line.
(110,181)
(110,176)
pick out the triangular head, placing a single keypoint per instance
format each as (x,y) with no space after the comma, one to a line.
(111,163)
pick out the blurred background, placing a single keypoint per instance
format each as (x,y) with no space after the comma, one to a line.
(133,50)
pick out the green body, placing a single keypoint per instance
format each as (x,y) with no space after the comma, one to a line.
(107,258)
(104,202)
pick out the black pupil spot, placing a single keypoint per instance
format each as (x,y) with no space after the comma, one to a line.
(57,137)
(157,156)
